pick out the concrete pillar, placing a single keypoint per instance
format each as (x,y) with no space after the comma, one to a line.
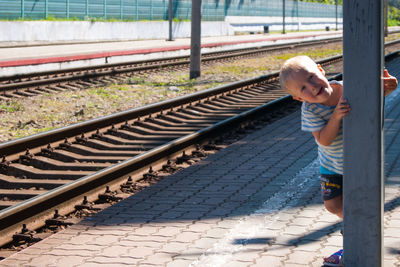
(170,14)
(195,40)
(283,16)
(363,133)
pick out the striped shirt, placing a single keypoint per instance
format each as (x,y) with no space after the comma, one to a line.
(314,117)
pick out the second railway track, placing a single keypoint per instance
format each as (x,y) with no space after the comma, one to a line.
(54,170)
(84,77)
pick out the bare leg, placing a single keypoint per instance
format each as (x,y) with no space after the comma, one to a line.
(335,206)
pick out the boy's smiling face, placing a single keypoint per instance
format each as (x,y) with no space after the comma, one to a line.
(307,82)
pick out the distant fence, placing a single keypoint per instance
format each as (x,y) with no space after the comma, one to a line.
(212,10)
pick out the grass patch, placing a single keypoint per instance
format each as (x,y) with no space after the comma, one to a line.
(312,54)
(25,132)
(11,107)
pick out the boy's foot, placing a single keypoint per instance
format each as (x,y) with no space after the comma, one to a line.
(336,259)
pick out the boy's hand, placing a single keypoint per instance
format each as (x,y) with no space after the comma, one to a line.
(341,110)
(389,83)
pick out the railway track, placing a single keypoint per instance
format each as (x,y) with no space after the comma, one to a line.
(56,170)
(69,167)
(84,77)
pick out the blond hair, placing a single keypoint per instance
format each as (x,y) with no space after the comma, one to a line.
(291,66)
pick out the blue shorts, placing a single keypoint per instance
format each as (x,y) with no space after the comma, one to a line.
(331,186)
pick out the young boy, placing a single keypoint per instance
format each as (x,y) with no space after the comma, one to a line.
(322,112)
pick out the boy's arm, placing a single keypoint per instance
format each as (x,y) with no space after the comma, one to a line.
(389,83)
(326,135)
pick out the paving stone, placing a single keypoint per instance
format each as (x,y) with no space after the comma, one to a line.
(97,264)
(295,230)
(146,238)
(114,232)
(179,263)
(269,260)
(216,233)
(78,240)
(140,243)
(199,227)
(43,260)
(288,264)
(12,263)
(140,252)
(37,250)
(145,230)
(106,239)
(169,231)
(204,243)
(392,232)
(286,240)
(303,221)
(277,250)
(116,251)
(187,237)
(300,257)
(247,256)
(158,258)
(391,263)
(334,241)
(190,253)
(174,247)
(326,251)
(81,251)
(100,260)
(70,261)
(72,247)
(20,256)
(285,217)
(314,236)
(233,263)
(309,246)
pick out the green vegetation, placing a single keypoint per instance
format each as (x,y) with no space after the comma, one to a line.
(316,54)
(329,2)
(11,107)
(393,16)
(26,116)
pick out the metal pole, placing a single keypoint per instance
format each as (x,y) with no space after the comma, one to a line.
(283,16)
(67,8)
(297,13)
(22,8)
(137,10)
(195,40)
(151,9)
(336,13)
(105,9)
(46,9)
(170,14)
(121,9)
(363,133)
(87,9)
(386,12)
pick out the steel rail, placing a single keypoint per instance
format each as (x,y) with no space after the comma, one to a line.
(209,56)
(82,73)
(93,72)
(21,212)
(41,139)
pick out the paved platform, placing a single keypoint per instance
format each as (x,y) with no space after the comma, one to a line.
(28,58)
(255,203)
